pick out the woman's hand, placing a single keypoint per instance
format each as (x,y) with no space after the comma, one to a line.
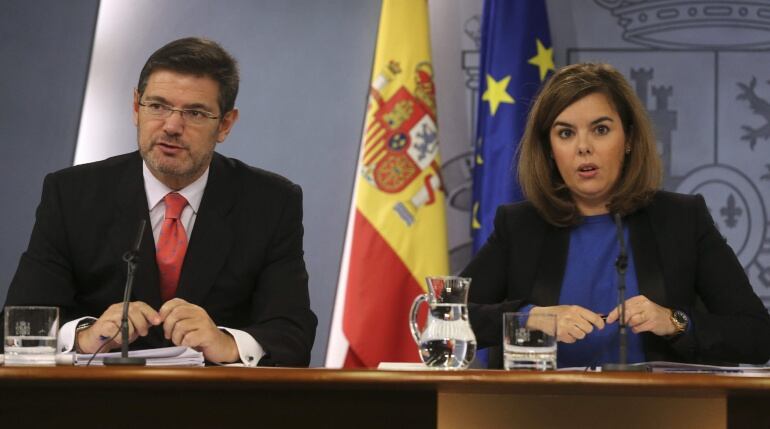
(643,315)
(573,321)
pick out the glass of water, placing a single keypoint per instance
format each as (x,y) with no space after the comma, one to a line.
(529,341)
(30,335)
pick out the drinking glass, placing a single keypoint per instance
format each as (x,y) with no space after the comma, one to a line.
(529,341)
(30,335)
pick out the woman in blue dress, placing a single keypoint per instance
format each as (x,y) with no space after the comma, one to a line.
(589,152)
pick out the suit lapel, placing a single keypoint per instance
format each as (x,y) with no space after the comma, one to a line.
(130,208)
(648,269)
(550,269)
(211,237)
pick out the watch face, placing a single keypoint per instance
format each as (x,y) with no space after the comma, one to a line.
(680,321)
(680,317)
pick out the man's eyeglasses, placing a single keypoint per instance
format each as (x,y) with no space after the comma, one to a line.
(162,111)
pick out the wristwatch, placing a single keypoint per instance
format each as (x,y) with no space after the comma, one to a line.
(680,321)
(84,324)
(81,326)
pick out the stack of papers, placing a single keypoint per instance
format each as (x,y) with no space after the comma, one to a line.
(167,356)
(743,370)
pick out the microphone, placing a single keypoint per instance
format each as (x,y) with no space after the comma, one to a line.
(621,264)
(131,258)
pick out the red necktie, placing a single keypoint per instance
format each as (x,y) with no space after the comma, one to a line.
(172,245)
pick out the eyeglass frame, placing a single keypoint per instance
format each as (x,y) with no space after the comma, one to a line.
(182,112)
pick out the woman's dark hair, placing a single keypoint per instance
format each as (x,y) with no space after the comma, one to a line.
(538,175)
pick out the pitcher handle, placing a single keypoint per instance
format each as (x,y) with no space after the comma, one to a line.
(413,317)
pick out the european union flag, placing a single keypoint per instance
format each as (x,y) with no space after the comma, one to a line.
(516,57)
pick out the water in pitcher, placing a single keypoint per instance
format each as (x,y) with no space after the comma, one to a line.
(447,341)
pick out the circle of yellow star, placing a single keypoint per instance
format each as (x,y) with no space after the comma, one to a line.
(496,93)
(543,60)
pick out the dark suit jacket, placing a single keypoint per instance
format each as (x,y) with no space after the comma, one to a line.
(682,262)
(244,263)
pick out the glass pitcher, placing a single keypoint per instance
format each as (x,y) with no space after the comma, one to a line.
(447,341)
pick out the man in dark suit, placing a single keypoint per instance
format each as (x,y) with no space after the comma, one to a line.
(221,269)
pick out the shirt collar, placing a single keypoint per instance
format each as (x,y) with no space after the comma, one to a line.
(156,190)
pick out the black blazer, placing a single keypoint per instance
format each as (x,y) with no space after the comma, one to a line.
(682,262)
(244,263)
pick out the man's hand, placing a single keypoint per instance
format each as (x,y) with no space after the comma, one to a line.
(188,325)
(573,321)
(140,318)
(643,315)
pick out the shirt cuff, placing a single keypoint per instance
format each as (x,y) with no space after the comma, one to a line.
(65,341)
(248,348)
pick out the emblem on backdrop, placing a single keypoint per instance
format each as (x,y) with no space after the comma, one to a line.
(704,75)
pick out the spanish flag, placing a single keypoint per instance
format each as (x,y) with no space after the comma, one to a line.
(396,233)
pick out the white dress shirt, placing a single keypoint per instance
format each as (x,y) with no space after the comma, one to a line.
(249,349)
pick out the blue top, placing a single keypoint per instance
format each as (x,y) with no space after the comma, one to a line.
(590,281)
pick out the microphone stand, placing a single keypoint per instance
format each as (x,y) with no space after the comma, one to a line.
(621,264)
(131,258)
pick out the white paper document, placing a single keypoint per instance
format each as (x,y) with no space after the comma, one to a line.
(167,356)
(402,366)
